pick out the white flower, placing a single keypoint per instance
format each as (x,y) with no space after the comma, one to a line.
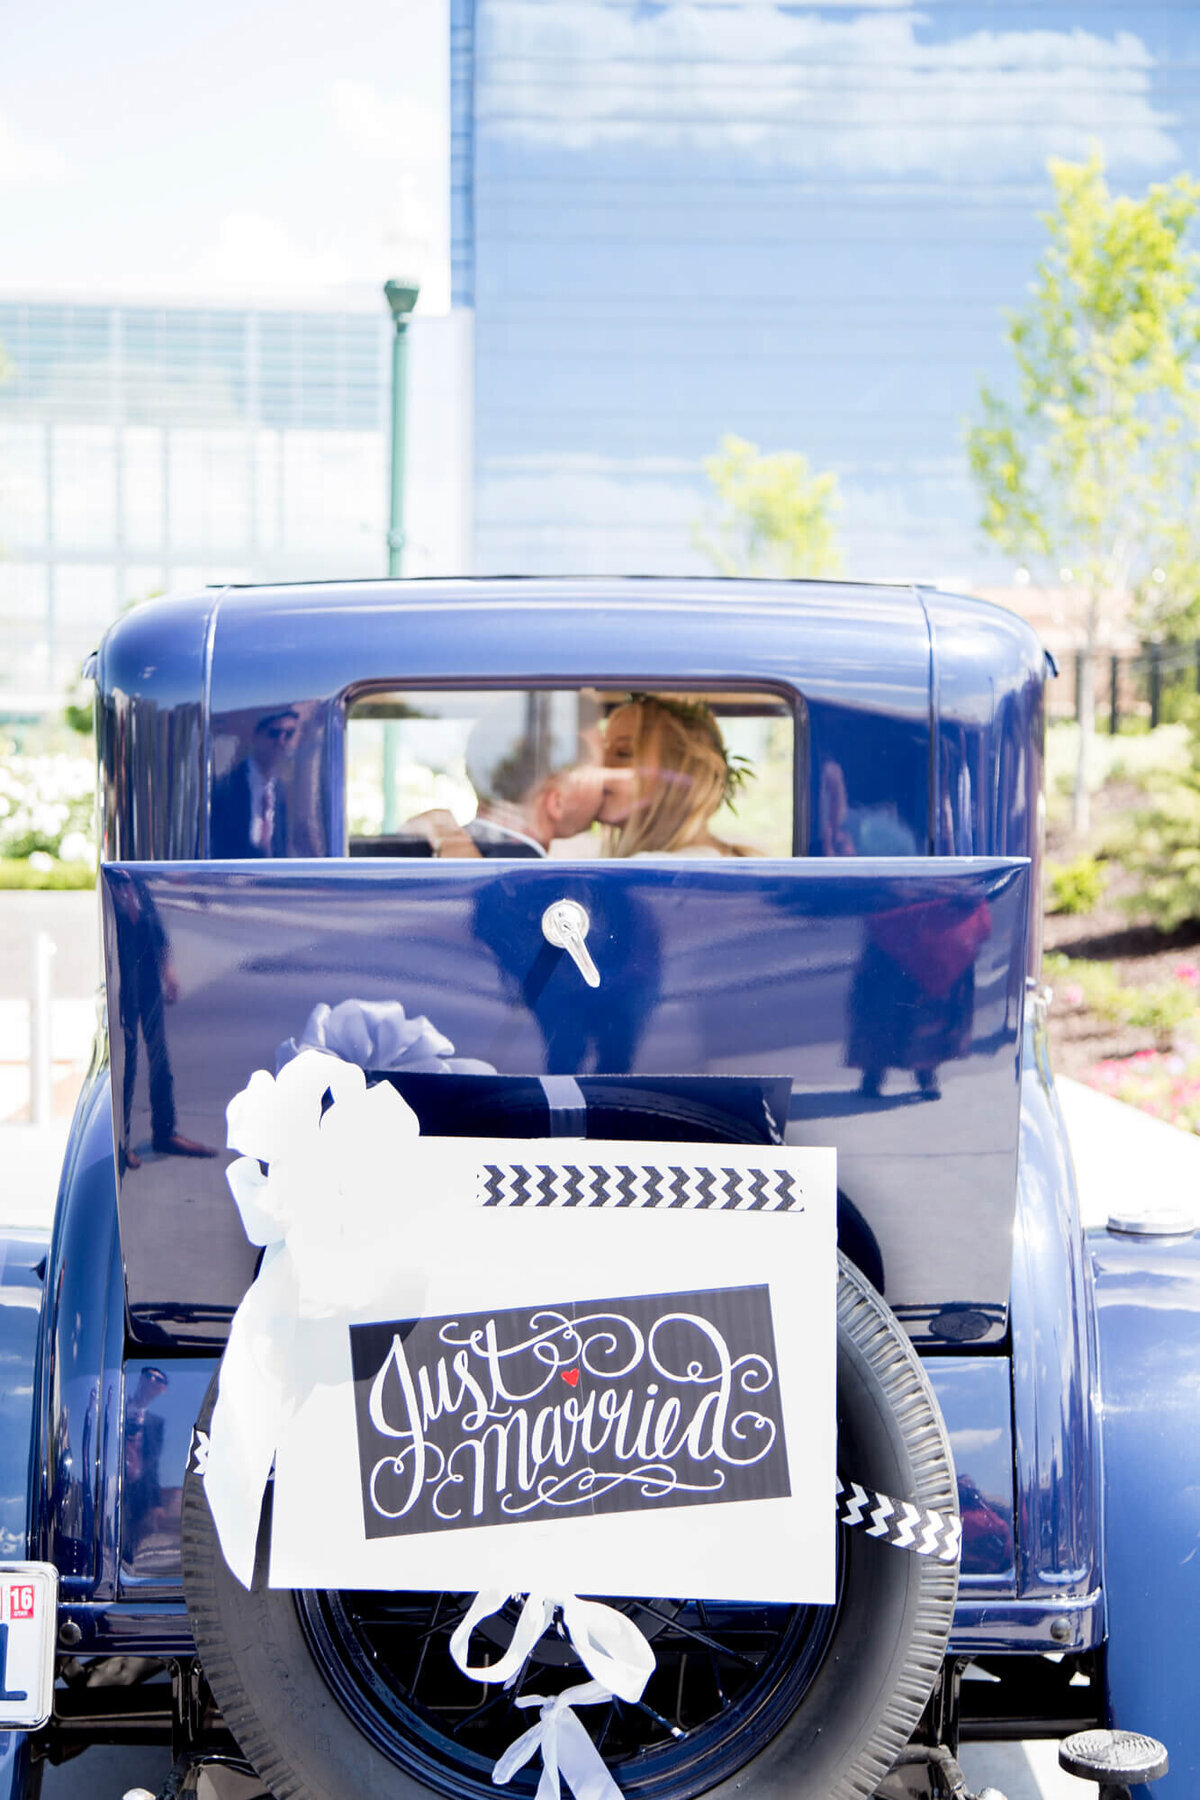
(75,847)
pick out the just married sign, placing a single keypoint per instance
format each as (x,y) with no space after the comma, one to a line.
(563,1366)
(560,1412)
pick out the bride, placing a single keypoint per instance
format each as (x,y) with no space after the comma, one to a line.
(676,774)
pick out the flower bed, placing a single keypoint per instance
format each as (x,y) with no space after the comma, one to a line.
(1165,1084)
(47,829)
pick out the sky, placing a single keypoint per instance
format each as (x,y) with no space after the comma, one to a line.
(800,223)
(239,149)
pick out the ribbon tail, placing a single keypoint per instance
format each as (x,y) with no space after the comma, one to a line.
(568,1753)
(248,1417)
(519,1752)
(609,1645)
(580,1763)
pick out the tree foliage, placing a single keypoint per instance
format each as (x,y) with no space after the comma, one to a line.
(776,514)
(1091,467)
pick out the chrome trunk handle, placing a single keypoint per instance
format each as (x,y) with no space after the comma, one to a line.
(565,925)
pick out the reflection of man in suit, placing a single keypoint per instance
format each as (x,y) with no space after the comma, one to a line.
(142,1490)
(147,982)
(249,806)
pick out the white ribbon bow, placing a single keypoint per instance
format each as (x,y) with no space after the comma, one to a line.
(616,1656)
(607,1642)
(379,1035)
(567,1750)
(322,1216)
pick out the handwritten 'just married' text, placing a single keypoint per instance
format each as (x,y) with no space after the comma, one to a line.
(560,1410)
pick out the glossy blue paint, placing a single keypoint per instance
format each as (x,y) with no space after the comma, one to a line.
(1147,1313)
(16,1765)
(921,713)
(163,1397)
(818,642)
(22,1277)
(77,1441)
(922,766)
(989,743)
(975,1395)
(1053,1369)
(151,729)
(782,970)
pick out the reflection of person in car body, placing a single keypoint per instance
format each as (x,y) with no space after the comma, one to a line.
(147,983)
(669,772)
(141,1494)
(249,806)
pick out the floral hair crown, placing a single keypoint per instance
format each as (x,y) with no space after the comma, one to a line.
(738,769)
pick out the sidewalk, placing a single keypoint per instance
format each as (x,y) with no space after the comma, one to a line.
(1123,1158)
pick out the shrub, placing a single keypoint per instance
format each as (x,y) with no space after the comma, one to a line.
(46,811)
(1161,850)
(1074,887)
(1160,1007)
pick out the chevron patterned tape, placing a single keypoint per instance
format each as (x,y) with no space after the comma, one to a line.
(604,1184)
(899,1522)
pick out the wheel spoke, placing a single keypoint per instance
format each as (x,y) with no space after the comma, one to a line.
(717,1665)
(700,1637)
(426,1638)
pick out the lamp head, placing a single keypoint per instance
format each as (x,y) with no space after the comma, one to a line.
(401,297)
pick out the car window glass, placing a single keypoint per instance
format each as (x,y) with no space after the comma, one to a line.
(569,772)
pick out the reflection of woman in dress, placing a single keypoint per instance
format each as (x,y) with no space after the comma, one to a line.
(677,773)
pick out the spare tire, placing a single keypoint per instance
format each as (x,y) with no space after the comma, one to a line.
(336,1694)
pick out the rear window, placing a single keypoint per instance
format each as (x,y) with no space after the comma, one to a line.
(570,772)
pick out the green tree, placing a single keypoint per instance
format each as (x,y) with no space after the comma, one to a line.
(1090,467)
(776,515)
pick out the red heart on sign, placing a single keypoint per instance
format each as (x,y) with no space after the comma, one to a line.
(570,1376)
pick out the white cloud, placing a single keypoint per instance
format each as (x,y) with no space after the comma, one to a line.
(26,161)
(859,95)
(253,251)
(392,154)
(403,147)
(408,132)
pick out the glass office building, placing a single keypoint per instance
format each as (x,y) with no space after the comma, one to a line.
(148,448)
(799,224)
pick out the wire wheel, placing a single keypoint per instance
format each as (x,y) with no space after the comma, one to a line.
(726,1677)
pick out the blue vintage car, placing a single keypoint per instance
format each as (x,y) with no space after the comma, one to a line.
(730,863)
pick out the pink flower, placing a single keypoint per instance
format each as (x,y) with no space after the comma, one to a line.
(1073,994)
(1188,973)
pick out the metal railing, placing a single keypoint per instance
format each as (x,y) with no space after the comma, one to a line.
(1144,684)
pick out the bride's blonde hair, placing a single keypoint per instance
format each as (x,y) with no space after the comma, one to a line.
(682,743)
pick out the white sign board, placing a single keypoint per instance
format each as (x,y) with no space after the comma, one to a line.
(609,1369)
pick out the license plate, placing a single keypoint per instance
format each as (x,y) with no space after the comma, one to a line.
(28,1617)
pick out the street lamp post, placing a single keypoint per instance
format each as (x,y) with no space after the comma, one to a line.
(401,298)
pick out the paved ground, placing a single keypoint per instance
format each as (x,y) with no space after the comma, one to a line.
(1113,1145)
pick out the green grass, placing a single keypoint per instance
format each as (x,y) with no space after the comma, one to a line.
(16,875)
